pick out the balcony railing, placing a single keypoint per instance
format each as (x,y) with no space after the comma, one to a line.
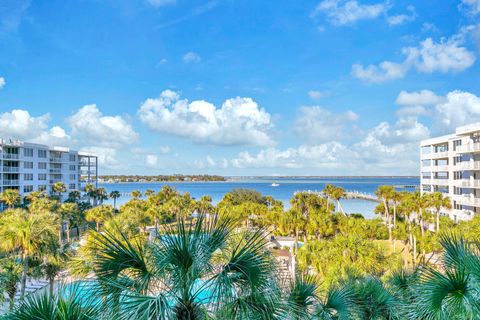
(467,200)
(467,183)
(439,168)
(11,156)
(55,170)
(11,182)
(468,165)
(10,169)
(469,147)
(435,181)
(56,159)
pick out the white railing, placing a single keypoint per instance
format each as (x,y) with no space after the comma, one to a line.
(440,182)
(468,200)
(10,182)
(442,154)
(469,147)
(56,170)
(439,168)
(11,156)
(10,169)
(468,165)
(467,183)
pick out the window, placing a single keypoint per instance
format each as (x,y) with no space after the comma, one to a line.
(72,157)
(42,176)
(42,153)
(456,144)
(73,167)
(28,176)
(27,188)
(73,177)
(42,187)
(42,165)
(71,186)
(28,152)
(28,165)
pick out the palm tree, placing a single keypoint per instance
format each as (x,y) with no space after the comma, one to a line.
(26,234)
(102,194)
(149,193)
(58,188)
(99,214)
(438,201)
(11,197)
(10,274)
(92,193)
(71,303)
(337,194)
(115,195)
(74,196)
(293,220)
(68,211)
(385,194)
(304,301)
(454,292)
(203,269)
(55,259)
(328,191)
(136,194)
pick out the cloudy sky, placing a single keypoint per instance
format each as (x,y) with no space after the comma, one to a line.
(233,87)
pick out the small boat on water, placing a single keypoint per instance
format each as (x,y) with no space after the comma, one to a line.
(274,184)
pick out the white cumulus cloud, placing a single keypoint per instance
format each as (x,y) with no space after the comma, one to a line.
(383,72)
(191,57)
(471,6)
(447,55)
(161,3)
(151,160)
(343,12)
(90,125)
(402,18)
(2,82)
(418,98)
(316,124)
(239,121)
(316,94)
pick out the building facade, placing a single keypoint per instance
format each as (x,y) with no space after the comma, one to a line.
(451,164)
(31,167)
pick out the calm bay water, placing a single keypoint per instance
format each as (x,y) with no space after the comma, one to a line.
(283,192)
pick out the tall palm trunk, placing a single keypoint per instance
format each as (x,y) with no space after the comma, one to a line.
(68,231)
(51,281)
(23,282)
(405,254)
(340,207)
(296,241)
(437,229)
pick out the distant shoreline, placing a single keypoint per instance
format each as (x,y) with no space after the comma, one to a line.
(230,179)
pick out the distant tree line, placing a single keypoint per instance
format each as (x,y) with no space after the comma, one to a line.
(174,177)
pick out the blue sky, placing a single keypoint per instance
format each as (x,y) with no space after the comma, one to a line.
(229,87)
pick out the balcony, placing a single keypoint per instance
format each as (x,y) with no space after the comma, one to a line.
(468,165)
(10,169)
(55,170)
(11,182)
(11,156)
(440,168)
(469,147)
(467,200)
(467,183)
(435,181)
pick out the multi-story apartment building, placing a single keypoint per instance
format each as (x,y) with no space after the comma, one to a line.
(451,164)
(31,167)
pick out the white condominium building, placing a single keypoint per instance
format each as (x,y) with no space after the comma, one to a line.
(451,164)
(31,167)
